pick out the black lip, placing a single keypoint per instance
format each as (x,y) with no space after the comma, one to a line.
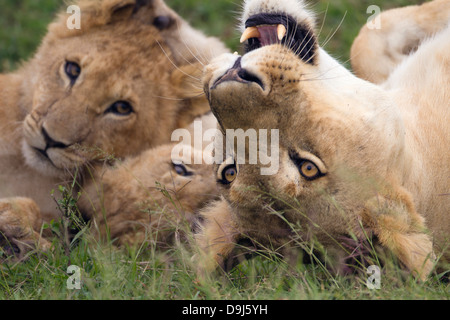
(50,143)
(42,152)
(300,37)
(44,155)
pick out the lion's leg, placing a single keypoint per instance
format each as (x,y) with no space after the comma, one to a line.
(20,223)
(402,230)
(378,50)
(218,236)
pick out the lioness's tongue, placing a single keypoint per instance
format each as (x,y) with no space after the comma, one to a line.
(268,35)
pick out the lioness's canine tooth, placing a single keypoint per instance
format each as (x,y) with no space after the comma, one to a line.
(251,32)
(281,31)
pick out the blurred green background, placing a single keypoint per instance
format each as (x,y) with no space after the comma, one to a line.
(23,23)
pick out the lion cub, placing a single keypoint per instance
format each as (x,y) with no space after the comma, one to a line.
(152,197)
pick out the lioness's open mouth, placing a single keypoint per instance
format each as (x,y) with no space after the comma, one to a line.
(266,29)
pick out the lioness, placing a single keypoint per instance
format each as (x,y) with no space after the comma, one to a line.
(117,86)
(357,162)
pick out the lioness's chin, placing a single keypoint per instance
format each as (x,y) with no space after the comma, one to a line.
(56,164)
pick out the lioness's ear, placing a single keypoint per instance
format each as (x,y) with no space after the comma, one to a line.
(401,229)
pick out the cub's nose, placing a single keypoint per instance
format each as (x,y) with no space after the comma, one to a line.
(238,74)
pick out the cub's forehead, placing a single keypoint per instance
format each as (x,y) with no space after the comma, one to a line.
(297,9)
(189,155)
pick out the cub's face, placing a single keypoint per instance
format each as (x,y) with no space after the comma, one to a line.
(334,147)
(156,191)
(112,87)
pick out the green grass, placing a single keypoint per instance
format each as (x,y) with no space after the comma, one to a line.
(146,273)
(108,273)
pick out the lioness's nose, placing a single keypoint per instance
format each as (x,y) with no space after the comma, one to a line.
(238,74)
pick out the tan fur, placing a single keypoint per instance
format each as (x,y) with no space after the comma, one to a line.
(20,217)
(219,234)
(144,199)
(383,152)
(377,52)
(123,57)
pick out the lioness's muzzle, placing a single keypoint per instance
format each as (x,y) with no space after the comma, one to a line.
(238,74)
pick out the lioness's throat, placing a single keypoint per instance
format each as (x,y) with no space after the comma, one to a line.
(266,29)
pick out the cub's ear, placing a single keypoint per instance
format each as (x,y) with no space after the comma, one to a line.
(401,230)
(123,9)
(96,13)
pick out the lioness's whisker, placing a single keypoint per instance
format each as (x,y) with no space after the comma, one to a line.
(337,28)
(292,38)
(318,34)
(323,21)
(319,77)
(301,48)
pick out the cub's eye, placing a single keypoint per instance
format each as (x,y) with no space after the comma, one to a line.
(162,22)
(121,108)
(309,170)
(73,71)
(181,170)
(228,174)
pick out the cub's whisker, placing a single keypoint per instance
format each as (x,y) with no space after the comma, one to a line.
(190,51)
(180,99)
(174,64)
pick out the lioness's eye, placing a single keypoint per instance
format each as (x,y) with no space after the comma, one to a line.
(309,170)
(121,108)
(73,71)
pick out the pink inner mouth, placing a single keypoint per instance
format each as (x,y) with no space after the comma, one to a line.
(268,35)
